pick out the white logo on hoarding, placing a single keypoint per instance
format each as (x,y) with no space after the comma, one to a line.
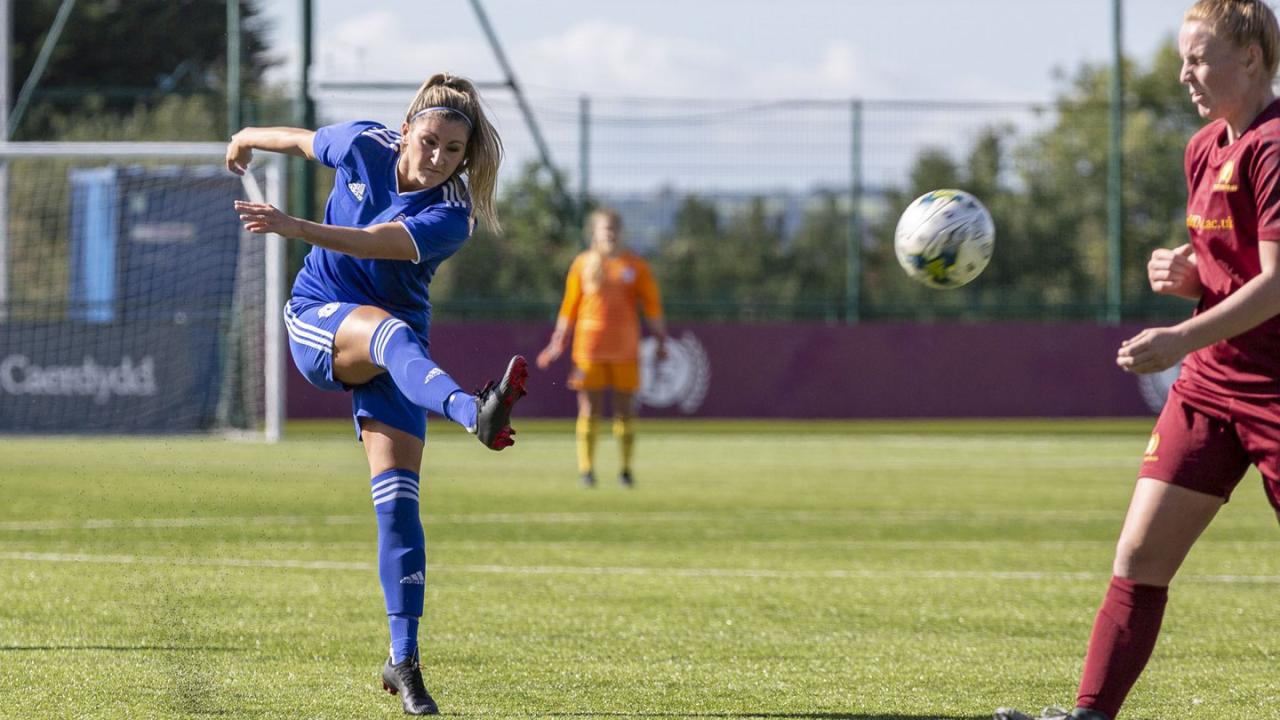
(18,376)
(1155,387)
(682,379)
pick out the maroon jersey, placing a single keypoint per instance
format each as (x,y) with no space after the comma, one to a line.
(1233,203)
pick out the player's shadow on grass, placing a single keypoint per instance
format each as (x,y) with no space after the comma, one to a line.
(115,648)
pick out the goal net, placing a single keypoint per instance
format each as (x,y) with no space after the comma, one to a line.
(130,299)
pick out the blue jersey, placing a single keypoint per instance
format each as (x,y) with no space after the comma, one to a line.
(365,192)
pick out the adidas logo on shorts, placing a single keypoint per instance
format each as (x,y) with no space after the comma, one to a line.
(357,189)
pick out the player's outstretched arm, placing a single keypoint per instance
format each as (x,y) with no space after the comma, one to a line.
(1174,272)
(385,241)
(287,140)
(658,328)
(555,348)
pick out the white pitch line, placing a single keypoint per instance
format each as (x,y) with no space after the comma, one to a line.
(552,518)
(736,573)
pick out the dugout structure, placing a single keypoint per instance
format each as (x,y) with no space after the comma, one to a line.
(131,301)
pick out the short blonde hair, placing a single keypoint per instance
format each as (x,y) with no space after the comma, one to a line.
(484,147)
(1242,22)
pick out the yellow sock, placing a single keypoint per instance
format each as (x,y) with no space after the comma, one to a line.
(625,432)
(586,434)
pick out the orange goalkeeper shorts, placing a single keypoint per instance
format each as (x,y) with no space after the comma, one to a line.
(621,376)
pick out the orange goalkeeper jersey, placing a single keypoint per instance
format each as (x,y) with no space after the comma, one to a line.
(607,319)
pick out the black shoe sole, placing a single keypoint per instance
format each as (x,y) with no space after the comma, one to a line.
(513,380)
(510,389)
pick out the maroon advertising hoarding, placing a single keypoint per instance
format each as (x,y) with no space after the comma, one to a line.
(872,370)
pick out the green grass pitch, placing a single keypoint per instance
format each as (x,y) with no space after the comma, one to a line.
(891,571)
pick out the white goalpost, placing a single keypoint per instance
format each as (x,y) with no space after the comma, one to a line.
(131,301)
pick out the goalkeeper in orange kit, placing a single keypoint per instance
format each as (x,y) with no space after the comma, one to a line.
(606,290)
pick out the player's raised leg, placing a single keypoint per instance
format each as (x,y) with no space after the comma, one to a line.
(371,341)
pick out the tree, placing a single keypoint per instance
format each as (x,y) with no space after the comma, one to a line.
(117,59)
(521,271)
(1048,196)
(810,276)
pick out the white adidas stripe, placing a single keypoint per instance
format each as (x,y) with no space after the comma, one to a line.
(377,135)
(321,333)
(396,496)
(308,335)
(398,487)
(394,488)
(307,340)
(303,330)
(454,195)
(395,491)
(393,479)
(383,337)
(376,347)
(312,344)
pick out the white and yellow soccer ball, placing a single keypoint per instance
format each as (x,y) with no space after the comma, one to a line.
(944,238)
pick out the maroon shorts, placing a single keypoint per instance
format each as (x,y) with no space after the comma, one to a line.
(1205,442)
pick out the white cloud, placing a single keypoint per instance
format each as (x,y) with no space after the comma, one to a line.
(379,45)
(840,71)
(616,59)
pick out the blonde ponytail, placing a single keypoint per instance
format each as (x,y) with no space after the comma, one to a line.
(452,93)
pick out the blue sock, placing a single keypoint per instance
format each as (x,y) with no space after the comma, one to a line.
(404,636)
(402,556)
(461,408)
(395,348)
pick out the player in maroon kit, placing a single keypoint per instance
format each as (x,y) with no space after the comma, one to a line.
(1223,413)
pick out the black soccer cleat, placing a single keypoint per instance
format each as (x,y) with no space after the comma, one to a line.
(588,479)
(1051,713)
(494,403)
(405,679)
(626,479)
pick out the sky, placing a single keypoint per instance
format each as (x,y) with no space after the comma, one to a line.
(876,49)
(641,59)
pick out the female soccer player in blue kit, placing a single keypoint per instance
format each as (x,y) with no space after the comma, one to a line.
(402,203)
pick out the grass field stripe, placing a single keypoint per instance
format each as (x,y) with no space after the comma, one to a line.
(570,518)
(737,573)
(179,561)
(109,524)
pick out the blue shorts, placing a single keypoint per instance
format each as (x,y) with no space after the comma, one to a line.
(312,325)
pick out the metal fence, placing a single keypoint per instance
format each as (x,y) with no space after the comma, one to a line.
(802,197)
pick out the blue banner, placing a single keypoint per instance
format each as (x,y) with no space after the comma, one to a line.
(85,377)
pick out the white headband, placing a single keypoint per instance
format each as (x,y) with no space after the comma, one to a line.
(455,111)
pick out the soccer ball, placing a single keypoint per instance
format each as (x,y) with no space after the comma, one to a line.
(944,238)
